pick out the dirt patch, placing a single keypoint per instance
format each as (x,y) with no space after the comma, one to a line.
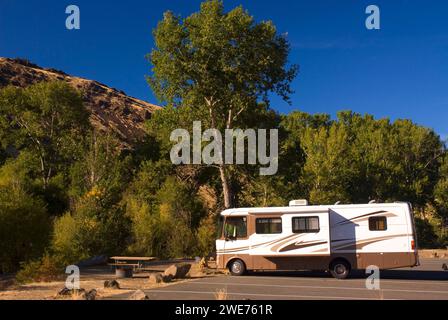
(91,278)
(49,290)
(433,254)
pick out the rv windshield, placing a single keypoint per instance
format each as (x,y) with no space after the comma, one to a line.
(235,227)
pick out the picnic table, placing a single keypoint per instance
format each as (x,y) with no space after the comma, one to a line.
(124,266)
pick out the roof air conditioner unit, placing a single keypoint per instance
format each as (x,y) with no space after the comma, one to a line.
(297,203)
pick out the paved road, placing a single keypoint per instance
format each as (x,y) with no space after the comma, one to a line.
(427,281)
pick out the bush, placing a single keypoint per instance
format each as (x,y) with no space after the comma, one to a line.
(164,226)
(90,230)
(426,236)
(46,269)
(24,228)
(206,236)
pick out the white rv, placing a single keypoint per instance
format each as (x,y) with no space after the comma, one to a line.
(337,238)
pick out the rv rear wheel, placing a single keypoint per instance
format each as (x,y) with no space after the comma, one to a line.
(340,269)
(237,267)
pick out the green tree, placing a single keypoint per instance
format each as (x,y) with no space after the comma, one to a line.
(102,169)
(47,118)
(441,190)
(327,171)
(90,229)
(219,66)
(96,223)
(24,222)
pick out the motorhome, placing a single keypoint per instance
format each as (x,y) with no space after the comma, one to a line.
(336,238)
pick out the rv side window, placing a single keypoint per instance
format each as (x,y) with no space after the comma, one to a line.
(305,225)
(268,225)
(235,227)
(377,223)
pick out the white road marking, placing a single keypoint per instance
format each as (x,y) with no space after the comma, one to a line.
(395,281)
(264,295)
(317,287)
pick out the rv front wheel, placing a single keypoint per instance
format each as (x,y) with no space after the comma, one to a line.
(237,267)
(340,269)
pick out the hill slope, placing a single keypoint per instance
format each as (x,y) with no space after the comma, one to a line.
(110,108)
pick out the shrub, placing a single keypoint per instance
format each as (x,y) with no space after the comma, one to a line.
(24,228)
(45,269)
(206,236)
(90,230)
(427,238)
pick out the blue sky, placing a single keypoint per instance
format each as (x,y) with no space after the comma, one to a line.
(400,71)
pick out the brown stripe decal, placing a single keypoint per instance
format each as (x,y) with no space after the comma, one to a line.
(233,250)
(360,244)
(295,246)
(361,216)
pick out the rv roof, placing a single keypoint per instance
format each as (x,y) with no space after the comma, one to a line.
(306,209)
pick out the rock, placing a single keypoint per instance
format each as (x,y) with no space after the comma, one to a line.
(445,267)
(72,293)
(91,295)
(182,270)
(139,295)
(167,278)
(197,270)
(178,271)
(112,284)
(171,270)
(155,278)
(65,292)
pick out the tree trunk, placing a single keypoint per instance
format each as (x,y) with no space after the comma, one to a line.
(225,187)
(227,193)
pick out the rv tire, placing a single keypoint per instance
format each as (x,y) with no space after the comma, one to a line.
(340,268)
(237,267)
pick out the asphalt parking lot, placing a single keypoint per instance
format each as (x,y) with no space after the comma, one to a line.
(426,282)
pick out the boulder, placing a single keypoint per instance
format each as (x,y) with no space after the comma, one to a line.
(78,294)
(65,292)
(91,295)
(139,295)
(178,271)
(167,278)
(112,284)
(71,292)
(196,271)
(155,278)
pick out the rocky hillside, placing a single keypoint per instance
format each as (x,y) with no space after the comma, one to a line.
(110,109)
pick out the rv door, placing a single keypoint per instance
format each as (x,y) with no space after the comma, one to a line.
(303,234)
(312,232)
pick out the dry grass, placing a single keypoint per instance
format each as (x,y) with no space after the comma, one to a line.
(221,294)
(49,290)
(78,295)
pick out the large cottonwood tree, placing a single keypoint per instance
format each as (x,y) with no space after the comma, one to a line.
(220,65)
(46,118)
